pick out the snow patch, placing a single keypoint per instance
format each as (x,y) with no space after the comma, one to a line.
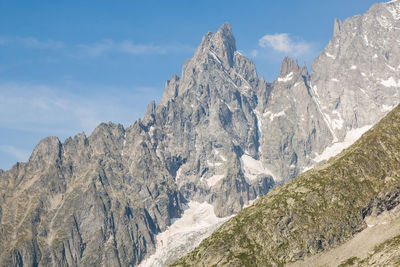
(251,168)
(213,180)
(366,40)
(222,157)
(272,116)
(365,93)
(215,57)
(307,168)
(390,82)
(337,147)
(197,223)
(330,55)
(386,108)
(394,10)
(337,123)
(390,67)
(286,78)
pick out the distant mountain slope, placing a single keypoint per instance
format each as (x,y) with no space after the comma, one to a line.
(318,210)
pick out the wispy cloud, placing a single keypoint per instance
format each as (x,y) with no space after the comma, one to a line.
(32,42)
(18,154)
(129,47)
(96,49)
(57,111)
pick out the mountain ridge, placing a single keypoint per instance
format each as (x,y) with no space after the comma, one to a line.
(219,135)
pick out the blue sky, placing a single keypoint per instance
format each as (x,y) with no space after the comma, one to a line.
(66,66)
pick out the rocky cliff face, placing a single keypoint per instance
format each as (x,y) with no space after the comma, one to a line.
(220,134)
(316,211)
(89,201)
(356,78)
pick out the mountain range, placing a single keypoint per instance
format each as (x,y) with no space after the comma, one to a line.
(220,137)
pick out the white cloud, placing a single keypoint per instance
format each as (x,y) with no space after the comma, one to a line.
(282,43)
(18,154)
(129,47)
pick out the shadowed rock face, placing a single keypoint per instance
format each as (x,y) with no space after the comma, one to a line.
(219,134)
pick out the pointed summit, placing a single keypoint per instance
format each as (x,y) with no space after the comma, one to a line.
(289,65)
(336,27)
(222,44)
(150,114)
(225,34)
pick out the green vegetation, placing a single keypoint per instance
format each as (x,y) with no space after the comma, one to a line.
(349,262)
(318,210)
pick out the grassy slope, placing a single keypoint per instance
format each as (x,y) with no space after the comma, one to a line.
(316,211)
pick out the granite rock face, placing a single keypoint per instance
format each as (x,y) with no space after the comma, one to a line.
(220,134)
(356,78)
(89,201)
(318,210)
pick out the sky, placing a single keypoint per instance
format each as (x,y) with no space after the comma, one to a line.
(66,66)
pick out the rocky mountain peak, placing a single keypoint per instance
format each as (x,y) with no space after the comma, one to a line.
(171,90)
(46,152)
(222,44)
(150,113)
(217,51)
(336,27)
(289,65)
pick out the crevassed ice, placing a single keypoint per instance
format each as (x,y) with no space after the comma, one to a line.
(197,223)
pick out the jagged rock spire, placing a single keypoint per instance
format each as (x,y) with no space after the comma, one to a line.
(289,65)
(222,44)
(336,27)
(171,90)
